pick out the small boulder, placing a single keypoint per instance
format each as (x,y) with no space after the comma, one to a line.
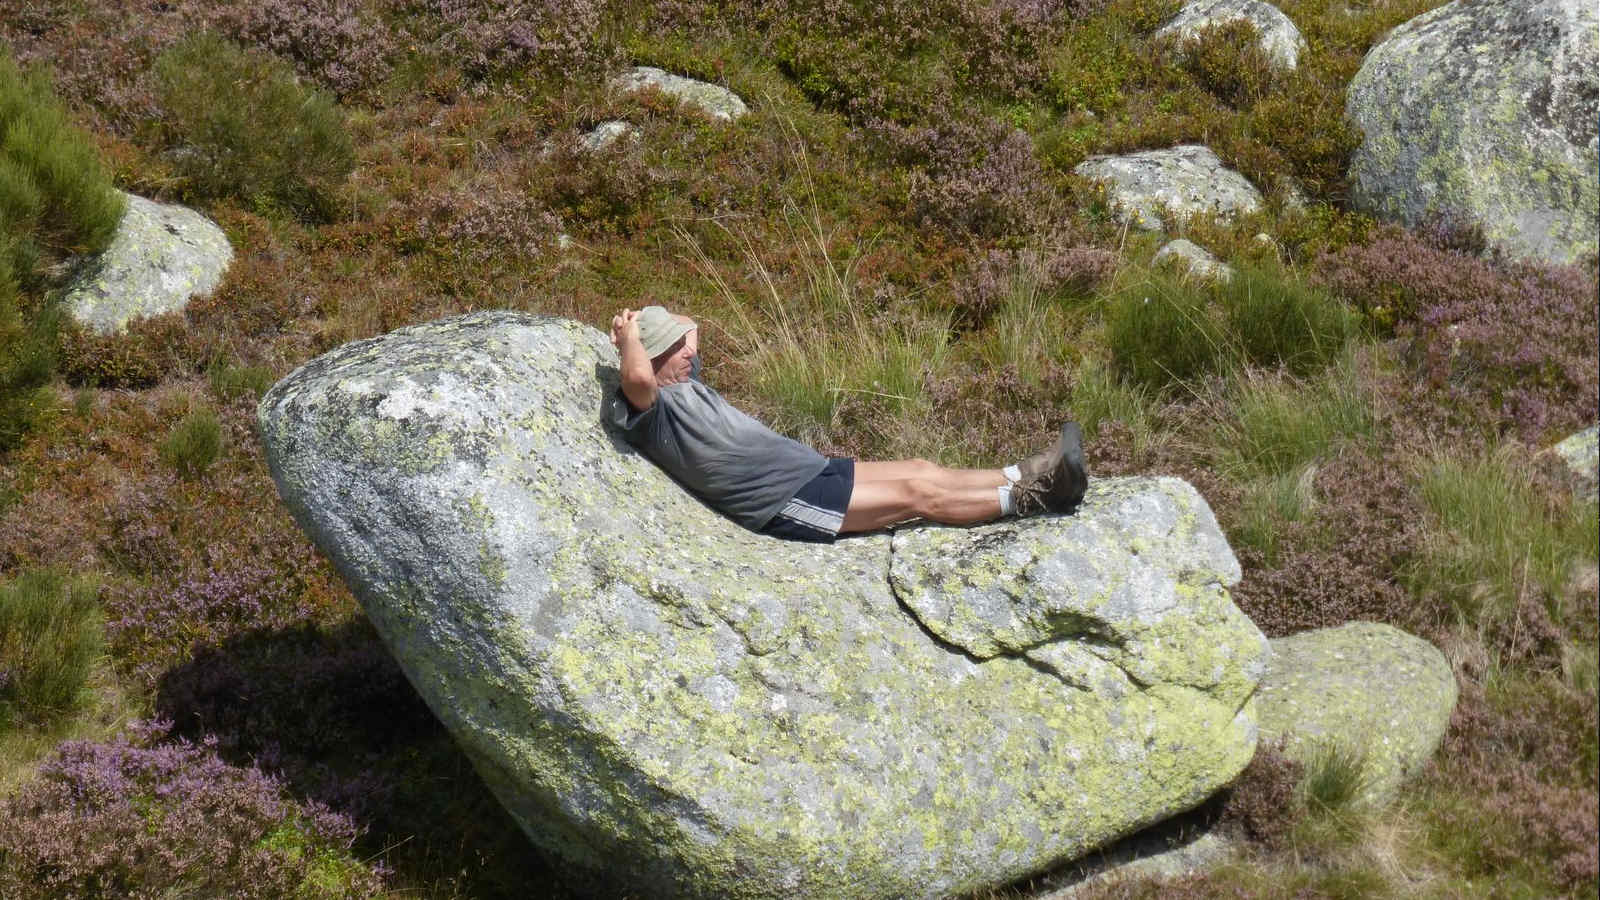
(607,133)
(1194,259)
(161,257)
(1280,38)
(1362,688)
(714,100)
(1581,454)
(1485,111)
(1188,179)
(656,693)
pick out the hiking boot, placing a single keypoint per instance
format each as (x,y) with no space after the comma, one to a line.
(1059,488)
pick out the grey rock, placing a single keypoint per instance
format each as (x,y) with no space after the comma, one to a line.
(1154,853)
(161,257)
(607,133)
(1280,38)
(656,693)
(1188,179)
(1195,259)
(1362,688)
(1485,111)
(716,101)
(1581,453)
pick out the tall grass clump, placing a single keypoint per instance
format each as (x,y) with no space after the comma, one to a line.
(1499,540)
(1269,425)
(194,443)
(1165,330)
(50,636)
(239,124)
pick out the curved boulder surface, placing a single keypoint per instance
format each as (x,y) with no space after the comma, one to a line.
(1363,688)
(161,256)
(714,100)
(1485,111)
(655,692)
(1188,180)
(1280,39)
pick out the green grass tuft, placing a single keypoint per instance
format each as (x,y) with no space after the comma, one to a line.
(1498,539)
(50,637)
(194,444)
(230,382)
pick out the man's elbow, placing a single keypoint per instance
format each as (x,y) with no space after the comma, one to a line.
(641,392)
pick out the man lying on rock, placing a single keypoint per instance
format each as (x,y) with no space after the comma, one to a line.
(777,486)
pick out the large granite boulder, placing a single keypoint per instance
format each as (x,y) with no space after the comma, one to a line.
(1364,689)
(696,709)
(714,100)
(1485,111)
(1279,37)
(1188,180)
(161,257)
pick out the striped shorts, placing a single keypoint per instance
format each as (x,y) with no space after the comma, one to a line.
(817,510)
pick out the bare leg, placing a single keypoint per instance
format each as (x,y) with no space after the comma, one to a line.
(877,504)
(904,469)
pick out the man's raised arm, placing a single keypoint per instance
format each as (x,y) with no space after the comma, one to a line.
(638,376)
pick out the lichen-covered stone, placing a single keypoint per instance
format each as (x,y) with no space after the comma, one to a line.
(607,133)
(1581,453)
(161,257)
(1188,179)
(716,101)
(1486,111)
(1194,260)
(1154,853)
(1365,688)
(659,694)
(1279,37)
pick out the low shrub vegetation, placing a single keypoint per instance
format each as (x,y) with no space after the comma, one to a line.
(239,125)
(194,444)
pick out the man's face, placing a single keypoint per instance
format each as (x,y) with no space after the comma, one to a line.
(673,366)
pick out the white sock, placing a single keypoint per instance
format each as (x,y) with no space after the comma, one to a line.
(1012,473)
(1007,508)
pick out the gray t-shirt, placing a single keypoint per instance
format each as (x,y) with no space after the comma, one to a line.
(728,459)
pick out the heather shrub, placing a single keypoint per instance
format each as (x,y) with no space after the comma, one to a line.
(27,363)
(1263,803)
(238,124)
(975,176)
(1492,347)
(134,818)
(230,382)
(148,350)
(503,37)
(344,44)
(193,444)
(155,623)
(998,279)
(1228,60)
(50,637)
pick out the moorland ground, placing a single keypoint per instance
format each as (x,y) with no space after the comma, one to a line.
(889,257)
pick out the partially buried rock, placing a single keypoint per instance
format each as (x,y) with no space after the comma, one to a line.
(715,101)
(608,133)
(1581,454)
(1194,260)
(1188,180)
(1485,112)
(161,257)
(1279,37)
(1365,690)
(695,709)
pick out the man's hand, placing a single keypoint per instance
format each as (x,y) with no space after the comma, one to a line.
(625,327)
